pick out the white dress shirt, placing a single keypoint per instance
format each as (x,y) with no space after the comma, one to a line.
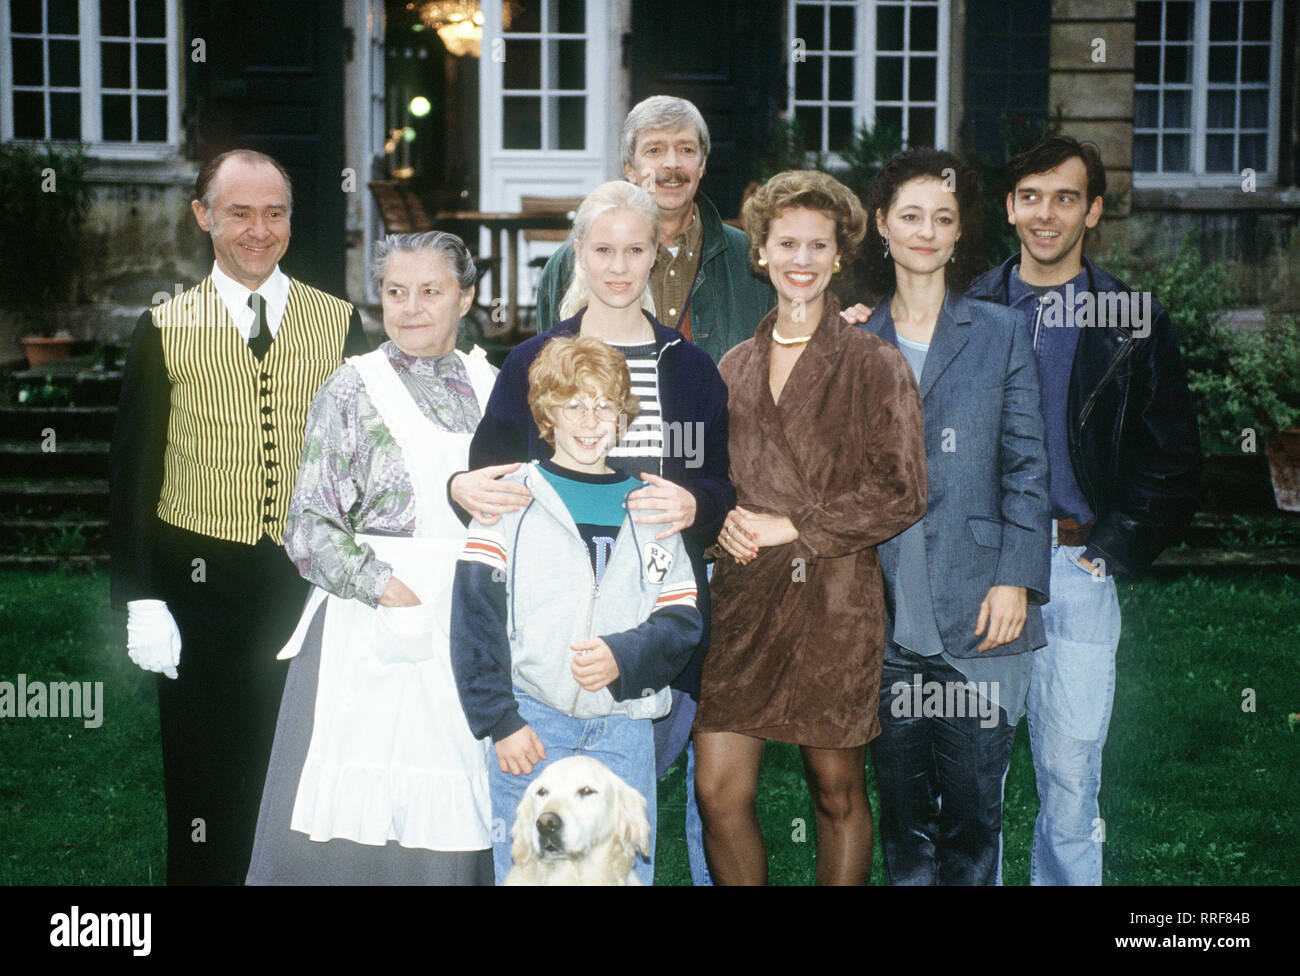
(274,291)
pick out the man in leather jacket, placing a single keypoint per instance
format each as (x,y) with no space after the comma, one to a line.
(1124,457)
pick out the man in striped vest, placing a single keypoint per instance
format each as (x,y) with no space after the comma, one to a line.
(205,451)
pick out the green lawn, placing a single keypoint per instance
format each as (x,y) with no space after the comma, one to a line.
(1196,789)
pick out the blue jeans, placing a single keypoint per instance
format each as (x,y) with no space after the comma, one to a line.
(625,745)
(1071,689)
(672,734)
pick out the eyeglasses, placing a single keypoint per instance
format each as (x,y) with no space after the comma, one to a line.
(575,410)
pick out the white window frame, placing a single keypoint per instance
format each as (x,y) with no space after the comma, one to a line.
(91,89)
(864,55)
(1200,88)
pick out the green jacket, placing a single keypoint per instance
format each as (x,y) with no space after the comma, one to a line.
(727,302)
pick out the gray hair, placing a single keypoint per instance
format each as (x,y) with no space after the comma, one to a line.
(661,112)
(615,195)
(451,247)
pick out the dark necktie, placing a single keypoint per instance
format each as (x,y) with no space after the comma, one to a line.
(259,340)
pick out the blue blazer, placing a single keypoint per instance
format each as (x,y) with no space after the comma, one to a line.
(988,519)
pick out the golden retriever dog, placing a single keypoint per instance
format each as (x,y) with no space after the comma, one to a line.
(578,824)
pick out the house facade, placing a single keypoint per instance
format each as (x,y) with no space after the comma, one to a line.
(1192,103)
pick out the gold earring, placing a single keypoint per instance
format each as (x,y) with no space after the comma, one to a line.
(836,268)
(762,262)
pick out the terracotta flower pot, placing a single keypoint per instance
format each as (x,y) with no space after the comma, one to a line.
(1283,449)
(42,349)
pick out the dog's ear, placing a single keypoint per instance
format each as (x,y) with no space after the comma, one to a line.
(521,834)
(632,827)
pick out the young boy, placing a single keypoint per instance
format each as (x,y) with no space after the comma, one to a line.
(567,623)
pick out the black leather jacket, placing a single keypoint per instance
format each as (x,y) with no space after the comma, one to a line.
(1132,430)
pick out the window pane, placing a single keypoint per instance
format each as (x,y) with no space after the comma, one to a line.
(843,33)
(1221,110)
(921,79)
(115,64)
(810,121)
(808,25)
(920,127)
(569,64)
(65,64)
(115,18)
(25,18)
(1176,60)
(1177,154)
(1256,21)
(808,79)
(840,87)
(1218,154)
(150,18)
(1254,110)
(1254,62)
(1178,22)
(29,61)
(29,115)
(889,117)
(1223,63)
(1148,21)
(117,117)
(63,16)
(527,18)
(1146,110)
(1223,21)
(65,115)
(570,16)
(1144,153)
(839,129)
(1254,151)
(889,28)
(925,29)
(1178,109)
(571,124)
(889,79)
(151,66)
(523,67)
(521,122)
(1146,66)
(152,111)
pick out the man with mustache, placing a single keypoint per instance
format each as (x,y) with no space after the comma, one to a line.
(701,280)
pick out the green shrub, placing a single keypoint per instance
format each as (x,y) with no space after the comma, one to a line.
(44,199)
(1265,367)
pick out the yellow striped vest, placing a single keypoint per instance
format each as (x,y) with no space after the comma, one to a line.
(235,433)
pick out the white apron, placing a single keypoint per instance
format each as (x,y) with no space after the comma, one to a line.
(391,754)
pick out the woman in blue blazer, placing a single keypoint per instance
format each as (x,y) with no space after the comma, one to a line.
(963,586)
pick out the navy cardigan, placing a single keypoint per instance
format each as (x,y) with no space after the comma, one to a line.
(693,400)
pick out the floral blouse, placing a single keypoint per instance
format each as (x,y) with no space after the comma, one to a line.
(352,477)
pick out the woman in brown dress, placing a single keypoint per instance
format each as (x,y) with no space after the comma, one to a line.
(828,459)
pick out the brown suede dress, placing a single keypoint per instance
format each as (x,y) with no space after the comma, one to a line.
(798,634)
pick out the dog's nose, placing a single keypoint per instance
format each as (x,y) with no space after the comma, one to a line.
(549,824)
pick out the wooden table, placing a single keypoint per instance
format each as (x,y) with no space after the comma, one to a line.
(504,230)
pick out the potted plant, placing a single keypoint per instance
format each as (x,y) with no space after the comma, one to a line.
(1264,372)
(44,200)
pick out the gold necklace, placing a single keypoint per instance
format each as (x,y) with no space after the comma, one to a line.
(796,341)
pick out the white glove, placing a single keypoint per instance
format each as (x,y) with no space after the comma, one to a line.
(152,638)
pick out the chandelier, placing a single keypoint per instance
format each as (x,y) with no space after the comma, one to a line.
(459,23)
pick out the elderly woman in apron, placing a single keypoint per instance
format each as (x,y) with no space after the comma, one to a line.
(375,777)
